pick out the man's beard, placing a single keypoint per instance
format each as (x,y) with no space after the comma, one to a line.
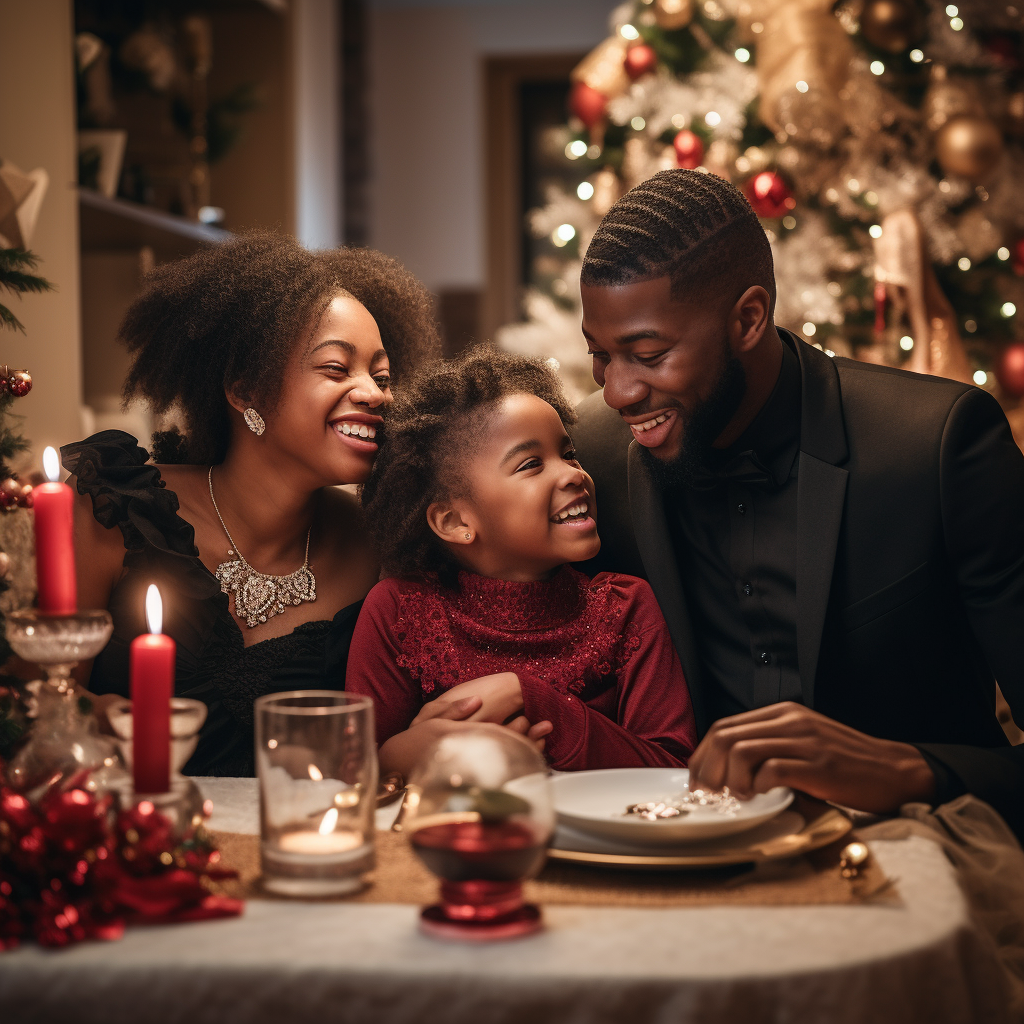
(701,428)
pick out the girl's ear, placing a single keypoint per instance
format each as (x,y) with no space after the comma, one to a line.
(235,400)
(452,524)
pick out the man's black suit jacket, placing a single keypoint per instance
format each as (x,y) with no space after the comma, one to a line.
(910,574)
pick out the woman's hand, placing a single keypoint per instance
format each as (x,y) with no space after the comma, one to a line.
(500,696)
(791,745)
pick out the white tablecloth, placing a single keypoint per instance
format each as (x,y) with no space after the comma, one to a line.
(294,962)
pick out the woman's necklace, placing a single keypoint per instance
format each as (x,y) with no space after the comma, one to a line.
(259,597)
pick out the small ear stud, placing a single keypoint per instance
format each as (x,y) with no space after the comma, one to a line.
(469,536)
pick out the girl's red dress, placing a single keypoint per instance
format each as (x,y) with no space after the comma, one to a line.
(593,657)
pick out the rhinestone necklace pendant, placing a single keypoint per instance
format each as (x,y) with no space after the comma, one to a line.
(259,597)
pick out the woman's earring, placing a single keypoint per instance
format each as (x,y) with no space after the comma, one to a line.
(254,421)
(469,536)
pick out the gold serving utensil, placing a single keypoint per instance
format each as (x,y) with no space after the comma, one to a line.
(852,859)
(390,788)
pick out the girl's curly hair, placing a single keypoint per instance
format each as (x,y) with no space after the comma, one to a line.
(428,434)
(228,316)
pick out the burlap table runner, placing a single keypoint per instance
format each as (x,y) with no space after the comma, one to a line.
(400,878)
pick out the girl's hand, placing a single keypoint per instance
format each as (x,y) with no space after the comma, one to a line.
(500,695)
(535,734)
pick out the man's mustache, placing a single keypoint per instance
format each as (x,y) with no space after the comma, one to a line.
(647,406)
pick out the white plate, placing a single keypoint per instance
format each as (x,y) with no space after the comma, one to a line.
(594,803)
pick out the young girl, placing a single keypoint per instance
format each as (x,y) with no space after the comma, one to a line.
(477,503)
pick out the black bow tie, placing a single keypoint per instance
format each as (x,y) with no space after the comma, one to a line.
(745,468)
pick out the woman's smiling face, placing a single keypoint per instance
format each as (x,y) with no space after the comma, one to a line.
(528,505)
(336,387)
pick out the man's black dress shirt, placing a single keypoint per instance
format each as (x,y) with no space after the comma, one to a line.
(736,548)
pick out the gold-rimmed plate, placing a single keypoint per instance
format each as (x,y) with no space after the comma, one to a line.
(810,825)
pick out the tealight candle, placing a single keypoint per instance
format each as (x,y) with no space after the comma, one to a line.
(53,506)
(151,668)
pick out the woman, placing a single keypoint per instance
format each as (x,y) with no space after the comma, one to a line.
(280,362)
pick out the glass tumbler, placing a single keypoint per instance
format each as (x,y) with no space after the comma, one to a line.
(316,758)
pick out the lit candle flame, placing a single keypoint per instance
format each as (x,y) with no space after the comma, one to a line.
(51,464)
(154,610)
(330,819)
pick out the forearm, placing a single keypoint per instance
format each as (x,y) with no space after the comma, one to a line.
(583,738)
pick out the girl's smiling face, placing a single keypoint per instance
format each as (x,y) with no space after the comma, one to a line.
(526,506)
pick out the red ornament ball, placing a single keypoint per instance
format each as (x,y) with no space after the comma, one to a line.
(769,195)
(19,383)
(587,104)
(25,499)
(1017,256)
(689,149)
(1010,370)
(10,491)
(640,60)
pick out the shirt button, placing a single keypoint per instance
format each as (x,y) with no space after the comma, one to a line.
(748,589)
(766,658)
(741,508)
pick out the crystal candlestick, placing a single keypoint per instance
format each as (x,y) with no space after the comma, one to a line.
(183,802)
(64,743)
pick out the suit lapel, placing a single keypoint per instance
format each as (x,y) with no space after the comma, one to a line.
(821,489)
(654,540)
(821,494)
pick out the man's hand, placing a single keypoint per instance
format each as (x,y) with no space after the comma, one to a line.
(790,745)
(500,698)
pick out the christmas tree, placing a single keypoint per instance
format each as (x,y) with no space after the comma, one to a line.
(879,141)
(16,266)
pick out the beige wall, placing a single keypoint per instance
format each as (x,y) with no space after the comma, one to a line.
(37,130)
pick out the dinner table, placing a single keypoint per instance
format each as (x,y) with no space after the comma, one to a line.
(914,957)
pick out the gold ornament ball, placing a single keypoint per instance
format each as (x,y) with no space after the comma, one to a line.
(968,146)
(890,24)
(673,14)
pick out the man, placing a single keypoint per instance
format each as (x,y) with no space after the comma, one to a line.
(838,547)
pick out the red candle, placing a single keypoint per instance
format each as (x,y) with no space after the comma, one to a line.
(53,506)
(151,666)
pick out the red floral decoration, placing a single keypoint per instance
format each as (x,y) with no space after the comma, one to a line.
(71,868)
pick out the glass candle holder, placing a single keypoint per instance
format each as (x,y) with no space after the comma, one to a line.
(316,758)
(479,815)
(64,746)
(183,803)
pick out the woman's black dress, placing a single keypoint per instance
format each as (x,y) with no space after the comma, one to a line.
(214,665)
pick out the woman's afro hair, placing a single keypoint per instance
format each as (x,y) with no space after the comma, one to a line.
(228,317)
(428,434)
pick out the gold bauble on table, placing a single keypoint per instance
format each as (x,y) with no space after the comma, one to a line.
(673,14)
(891,25)
(968,146)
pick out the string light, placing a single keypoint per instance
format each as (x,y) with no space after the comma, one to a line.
(1007,309)
(906,343)
(877,67)
(678,121)
(964,263)
(638,124)
(742,55)
(713,118)
(563,234)
(970,326)
(576,149)
(1003,253)
(875,231)
(956,24)
(789,222)
(952,11)
(585,190)
(801,86)
(593,152)
(809,329)
(980,378)
(917,56)
(629,32)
